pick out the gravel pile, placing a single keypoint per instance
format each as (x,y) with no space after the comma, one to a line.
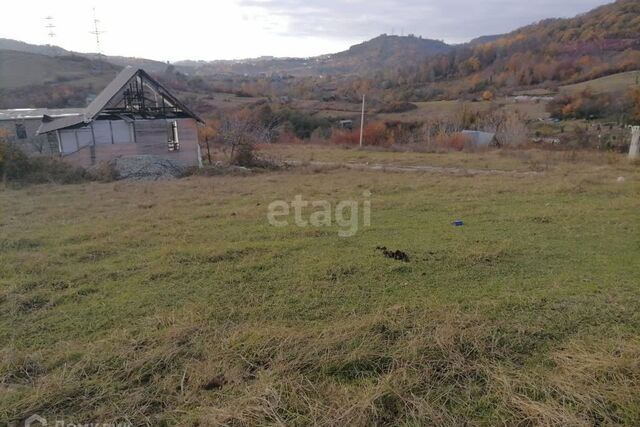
(146,168)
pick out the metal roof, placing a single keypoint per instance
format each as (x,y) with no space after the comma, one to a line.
(61,123)
(109,92)
(102,100)
(38,113)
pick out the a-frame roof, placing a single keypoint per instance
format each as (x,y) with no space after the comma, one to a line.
(112,94)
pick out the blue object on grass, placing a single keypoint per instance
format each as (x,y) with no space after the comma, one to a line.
(458,223)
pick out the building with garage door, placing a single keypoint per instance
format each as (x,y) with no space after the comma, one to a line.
(134,115)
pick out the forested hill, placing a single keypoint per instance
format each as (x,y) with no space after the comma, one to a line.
(557,51)
(546,55)
(382,52)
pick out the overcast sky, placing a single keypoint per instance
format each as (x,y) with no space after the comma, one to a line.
(232,29)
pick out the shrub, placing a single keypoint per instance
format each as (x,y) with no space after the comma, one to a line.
(47,169)
(288,137)
(375,134)
(242,94)
(104,172)
(302,124)
(588,105)
(455,141)
(17,166)
(488,95)
(13,162)
(240,134)
(398,107)
(513,131)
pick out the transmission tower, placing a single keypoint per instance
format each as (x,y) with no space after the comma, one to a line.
(50,26)
(96,30)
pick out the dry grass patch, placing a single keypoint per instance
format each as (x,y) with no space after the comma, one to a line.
(176,303)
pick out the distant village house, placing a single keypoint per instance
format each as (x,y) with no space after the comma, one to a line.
(134,115)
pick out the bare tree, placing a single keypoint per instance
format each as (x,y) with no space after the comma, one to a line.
(240,134)
(512,131)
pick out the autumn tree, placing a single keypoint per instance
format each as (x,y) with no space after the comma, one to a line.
(239,134)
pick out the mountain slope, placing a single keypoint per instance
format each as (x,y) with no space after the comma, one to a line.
(47,50)
(22,69)
(385,52)
(552,52)
(9,44)
(547,54)
(36,80)
(373,55)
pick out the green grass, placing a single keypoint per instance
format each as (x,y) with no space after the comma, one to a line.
(613,83)
(502,160)
(175,303)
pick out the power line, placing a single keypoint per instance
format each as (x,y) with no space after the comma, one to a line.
(50,26)
(96,31)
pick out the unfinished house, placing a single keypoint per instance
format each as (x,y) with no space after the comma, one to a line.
(134,115)
(21,127)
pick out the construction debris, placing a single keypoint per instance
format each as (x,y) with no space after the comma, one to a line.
(146,168)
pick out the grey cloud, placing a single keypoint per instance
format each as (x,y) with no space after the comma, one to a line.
(451,20)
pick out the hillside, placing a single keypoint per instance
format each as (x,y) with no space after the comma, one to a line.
(379,53)
(56,51)
(149,65)
(386,52)
(552,52)
(9,44)
(542,56)
(613,83)
(36,80)
(21,69)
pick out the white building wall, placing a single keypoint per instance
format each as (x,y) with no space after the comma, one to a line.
(151,138)
(68,141)
(102,132)
(122,132)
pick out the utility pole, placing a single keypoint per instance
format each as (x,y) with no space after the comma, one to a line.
(362,121)
(50,27)
(634,150)
(208,150)
(96,32)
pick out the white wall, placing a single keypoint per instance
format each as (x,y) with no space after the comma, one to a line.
(68,141)
(122,132)
(102,132)
(105,132)
(151,139)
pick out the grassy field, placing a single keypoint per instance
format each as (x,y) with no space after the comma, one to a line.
(433,110)
(613,83)
(176,303)
(500,160)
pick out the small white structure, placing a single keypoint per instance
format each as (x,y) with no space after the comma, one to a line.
(634,150)
(346,124)
(480,139)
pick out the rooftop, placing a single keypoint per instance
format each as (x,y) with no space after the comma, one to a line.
(38,113)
